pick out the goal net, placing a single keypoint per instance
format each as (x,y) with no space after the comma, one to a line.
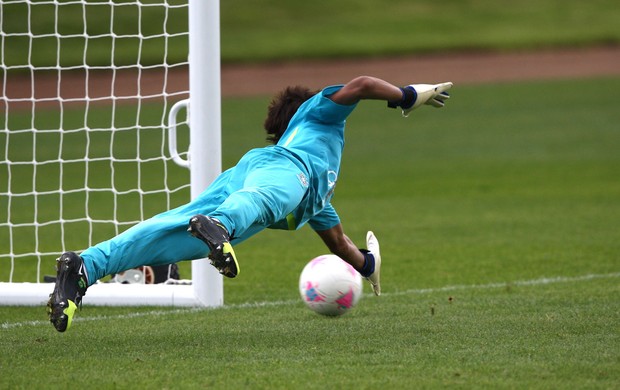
(87,86)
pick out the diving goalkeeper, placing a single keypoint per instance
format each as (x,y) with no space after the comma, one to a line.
(281,186)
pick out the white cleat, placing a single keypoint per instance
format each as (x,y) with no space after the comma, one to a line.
(372,244)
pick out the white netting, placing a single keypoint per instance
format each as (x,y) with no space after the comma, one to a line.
(86,87)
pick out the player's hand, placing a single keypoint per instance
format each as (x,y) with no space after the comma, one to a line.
(431,94)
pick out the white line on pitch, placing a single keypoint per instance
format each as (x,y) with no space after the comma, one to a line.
(533,282)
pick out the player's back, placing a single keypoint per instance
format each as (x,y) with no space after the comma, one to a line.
(315,135)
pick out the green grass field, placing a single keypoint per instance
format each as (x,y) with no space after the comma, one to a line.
(283,30)
(498,222)
(259,31)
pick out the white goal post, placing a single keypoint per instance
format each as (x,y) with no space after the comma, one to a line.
(60,197)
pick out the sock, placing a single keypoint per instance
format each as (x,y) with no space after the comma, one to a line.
(369,263)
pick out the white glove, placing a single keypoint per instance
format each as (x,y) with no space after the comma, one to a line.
(432,94)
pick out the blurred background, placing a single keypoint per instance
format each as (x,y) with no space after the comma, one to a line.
(255,31)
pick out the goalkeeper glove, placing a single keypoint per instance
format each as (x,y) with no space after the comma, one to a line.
(415,95)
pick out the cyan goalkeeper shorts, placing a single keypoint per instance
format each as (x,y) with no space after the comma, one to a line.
(263,188)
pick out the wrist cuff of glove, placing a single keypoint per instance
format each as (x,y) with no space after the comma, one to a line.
(407,101)
(369,263)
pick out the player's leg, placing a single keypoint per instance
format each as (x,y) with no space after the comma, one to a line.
(156,241)
(162,239)
(268,193)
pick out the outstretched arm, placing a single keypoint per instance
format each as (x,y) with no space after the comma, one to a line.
(366,87)
(342,246)
(366,261)
(407,98)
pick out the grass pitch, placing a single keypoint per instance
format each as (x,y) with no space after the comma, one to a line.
(558,334)
(498,222)
(283,30)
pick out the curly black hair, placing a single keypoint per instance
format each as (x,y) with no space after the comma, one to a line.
(282,108)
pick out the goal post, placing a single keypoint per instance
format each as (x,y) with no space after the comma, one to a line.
(60,197)
(205,154)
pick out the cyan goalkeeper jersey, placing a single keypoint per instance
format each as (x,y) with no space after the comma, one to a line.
(315,136)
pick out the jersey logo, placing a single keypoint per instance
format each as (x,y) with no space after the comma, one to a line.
(332,177)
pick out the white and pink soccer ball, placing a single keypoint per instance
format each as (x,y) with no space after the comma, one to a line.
(330,286)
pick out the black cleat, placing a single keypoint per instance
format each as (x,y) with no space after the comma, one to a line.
(71,285)
(214,234)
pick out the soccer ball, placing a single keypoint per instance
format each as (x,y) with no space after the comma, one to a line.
(330,286)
